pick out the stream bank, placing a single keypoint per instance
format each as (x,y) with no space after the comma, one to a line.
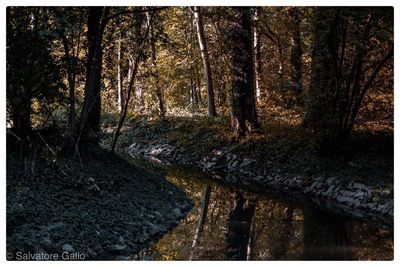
(341,185)
(105,211)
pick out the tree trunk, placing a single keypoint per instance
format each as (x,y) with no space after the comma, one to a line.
(207,69)
(257,53)
(197,80)
(91,110)
(119,73)
(160,100)
(133,71)
(323,77)
(21,113)
(296,53)
(277,41)
(243,106)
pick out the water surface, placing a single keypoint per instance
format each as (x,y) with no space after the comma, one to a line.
(229,223)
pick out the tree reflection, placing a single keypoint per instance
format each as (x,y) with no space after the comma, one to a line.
(239,227)
(202,219)
(325,237)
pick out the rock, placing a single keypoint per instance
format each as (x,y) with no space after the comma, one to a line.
(358,186)
(343,199)
(177,212)
(68,248)
(91,252)
(117,247)
(235,163)
(122,258)
(388,206)
(46,242)
(245,163)
(158,215)
(359,194)
(346,193)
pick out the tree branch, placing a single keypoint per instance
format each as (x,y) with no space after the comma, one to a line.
(136,11)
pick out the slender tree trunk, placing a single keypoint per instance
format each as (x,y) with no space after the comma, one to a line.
(21,113)
(257,53)
(119,73)
(277,41)
(160,100)
(202,219)
(281,66)
(296,52)
(197,80)
(193,88)
(133,72)
(243,107)
(71,84)
(204,54)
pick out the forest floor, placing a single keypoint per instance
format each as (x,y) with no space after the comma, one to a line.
(108,209)
(362,170)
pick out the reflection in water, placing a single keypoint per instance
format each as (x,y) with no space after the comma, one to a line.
(202,219)
(325,237)
(232,224)
(239,226)
(278,246)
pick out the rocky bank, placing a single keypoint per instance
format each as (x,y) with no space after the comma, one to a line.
(352,199)
(107,210)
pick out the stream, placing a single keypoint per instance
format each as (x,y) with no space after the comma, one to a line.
(231,223)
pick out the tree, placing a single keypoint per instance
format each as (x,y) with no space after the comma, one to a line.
(244,115)
(120,78)
(91,110)
(295,52)
(70,35)
(340,79)
(160,100)
(276,39)
(206,63)
(35,75)
(257,53)
(138,57)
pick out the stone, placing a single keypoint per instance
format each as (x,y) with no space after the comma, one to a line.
(67,248)
(118,247)
(177,212)
(122,258)
(346,193)
(343,199)
(245,163)
(359,194)
(46,242)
